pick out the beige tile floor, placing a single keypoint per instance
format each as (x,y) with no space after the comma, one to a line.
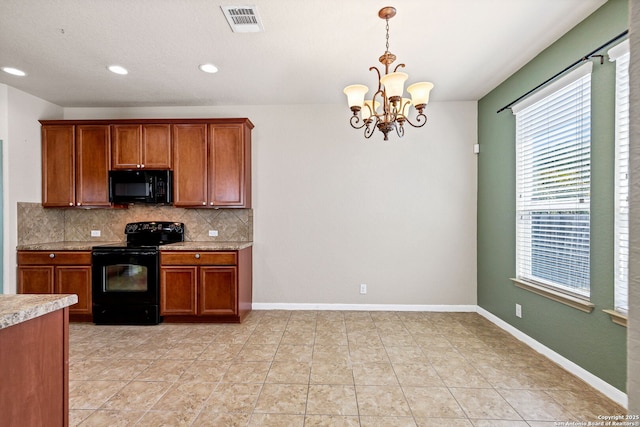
(321,368)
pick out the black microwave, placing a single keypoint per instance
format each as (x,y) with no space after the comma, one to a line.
(140,186)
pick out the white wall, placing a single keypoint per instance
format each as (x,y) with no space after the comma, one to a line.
(332,210)
(21,164)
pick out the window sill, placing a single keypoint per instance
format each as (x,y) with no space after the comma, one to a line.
(569,300)
(617,317)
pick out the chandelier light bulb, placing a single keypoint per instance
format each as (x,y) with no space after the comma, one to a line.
(394,85)
(355,96)
(420,93)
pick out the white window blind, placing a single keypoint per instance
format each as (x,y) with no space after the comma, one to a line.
(553,184)
(620,54)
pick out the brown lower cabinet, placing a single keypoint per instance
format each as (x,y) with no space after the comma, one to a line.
(205,286)
(58,272)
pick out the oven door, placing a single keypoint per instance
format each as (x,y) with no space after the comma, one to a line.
(125,286)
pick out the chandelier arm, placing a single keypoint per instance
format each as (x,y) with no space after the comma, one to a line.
(379,76)
(398,66)
(421,120)
(394,111)
(400,130)
(354,120)
(373,102)
(368,131)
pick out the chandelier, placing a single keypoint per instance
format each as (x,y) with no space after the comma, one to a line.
(389,96)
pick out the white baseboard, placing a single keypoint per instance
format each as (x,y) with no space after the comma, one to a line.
(363,307)
(605,388)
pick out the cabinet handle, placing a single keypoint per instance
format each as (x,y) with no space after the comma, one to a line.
(138,166)
(197,256)
(204,203)
(142,166)
(78,203)
(70,203)
(211,203)
(52,255)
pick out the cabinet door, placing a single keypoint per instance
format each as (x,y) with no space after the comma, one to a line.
(226,165)
(75,280)
(156,146)
(36,279)
(190,165)
(58,166)
(92,165)
(178,290)
(217,293)
(126,146)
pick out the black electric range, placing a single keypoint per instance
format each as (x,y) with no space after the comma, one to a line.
(126,276)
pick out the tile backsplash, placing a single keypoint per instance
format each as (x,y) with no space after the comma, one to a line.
(39,225)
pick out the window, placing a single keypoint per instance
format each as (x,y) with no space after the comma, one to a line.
(620,54)
(553,185)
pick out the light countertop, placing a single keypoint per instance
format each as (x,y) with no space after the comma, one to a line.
(206,246)
(61,246)
(15,309)
(211,245)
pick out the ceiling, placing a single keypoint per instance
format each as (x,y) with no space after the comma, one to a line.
(307,53)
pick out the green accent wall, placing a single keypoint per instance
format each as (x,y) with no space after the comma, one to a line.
(590,340)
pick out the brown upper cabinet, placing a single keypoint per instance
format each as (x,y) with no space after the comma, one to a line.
(190,165)
(75,165)
(141,146)
(210,159)
(212,164)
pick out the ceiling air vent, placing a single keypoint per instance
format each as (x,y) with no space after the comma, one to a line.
(243,19)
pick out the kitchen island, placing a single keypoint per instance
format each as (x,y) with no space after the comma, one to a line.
(34,359)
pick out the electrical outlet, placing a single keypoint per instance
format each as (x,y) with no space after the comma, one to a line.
(363,288)
(95,233)
(213,233)
(518,310)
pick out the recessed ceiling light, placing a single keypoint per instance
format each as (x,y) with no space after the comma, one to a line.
(14,71)
(117,69)
(208,68)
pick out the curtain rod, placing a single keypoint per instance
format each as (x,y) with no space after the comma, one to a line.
(584,58)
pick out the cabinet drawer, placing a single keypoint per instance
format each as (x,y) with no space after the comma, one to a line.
(54,257)
(198,258)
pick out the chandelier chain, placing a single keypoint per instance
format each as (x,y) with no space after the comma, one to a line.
(387,34)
